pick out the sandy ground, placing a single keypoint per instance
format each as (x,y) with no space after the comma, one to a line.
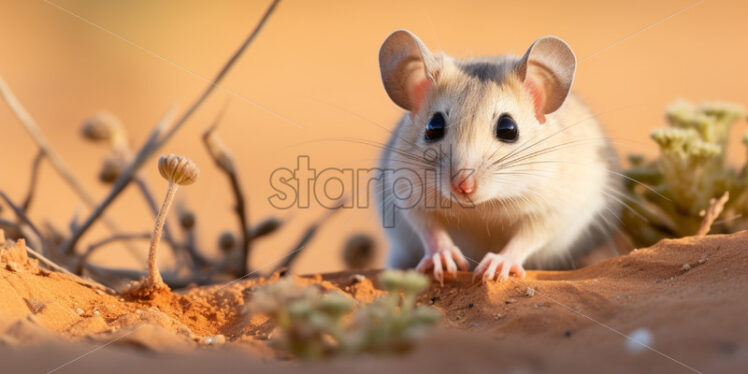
(689,294)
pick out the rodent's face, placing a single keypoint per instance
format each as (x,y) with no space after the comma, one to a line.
(469,127)
(473,122)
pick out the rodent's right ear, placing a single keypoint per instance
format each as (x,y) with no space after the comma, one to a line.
(408,69)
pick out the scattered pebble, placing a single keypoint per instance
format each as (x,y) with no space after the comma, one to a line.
(686,267)
(567,334)
(96,312)
(703,260)
(214,340)
(79,311)
(357,278)
(498,316)
(639,340)
(470,306)
(530,292)
(510,301)
(138,311)
(434,299)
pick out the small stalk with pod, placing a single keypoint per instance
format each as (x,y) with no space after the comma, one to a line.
(179,171)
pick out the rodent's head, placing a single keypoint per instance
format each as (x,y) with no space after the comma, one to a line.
(470,118)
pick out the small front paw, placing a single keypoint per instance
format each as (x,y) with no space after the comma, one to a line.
(450,258)
(495,266)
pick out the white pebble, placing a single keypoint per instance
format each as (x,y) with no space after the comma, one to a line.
(79,311)
(686,267)
(639,340)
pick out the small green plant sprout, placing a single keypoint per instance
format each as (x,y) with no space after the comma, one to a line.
(687,177)
(316,324)
(393,323)
(308,320)
(179,171)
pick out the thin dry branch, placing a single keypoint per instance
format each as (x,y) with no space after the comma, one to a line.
(225,162)
(30,125)
(154,143)
(114,238)
(34,179)
(308,235)
(113,276)
(710,215)
(21,215)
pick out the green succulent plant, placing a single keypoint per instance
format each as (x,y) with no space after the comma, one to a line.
(690,170)
(316,324)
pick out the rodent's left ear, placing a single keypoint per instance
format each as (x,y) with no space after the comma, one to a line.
(547,70)
(408,69)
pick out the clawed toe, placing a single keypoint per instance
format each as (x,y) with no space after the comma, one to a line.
(495,266)
(450,260)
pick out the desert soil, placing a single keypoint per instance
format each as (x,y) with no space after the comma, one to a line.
(688,295)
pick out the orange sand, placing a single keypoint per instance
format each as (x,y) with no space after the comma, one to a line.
(573,321)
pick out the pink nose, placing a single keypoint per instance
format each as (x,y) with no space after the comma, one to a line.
(463,184)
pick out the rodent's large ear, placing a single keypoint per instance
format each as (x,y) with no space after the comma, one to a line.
(547,69)
(408,69)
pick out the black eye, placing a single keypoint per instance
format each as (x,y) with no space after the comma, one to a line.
(435,128)
(506,129)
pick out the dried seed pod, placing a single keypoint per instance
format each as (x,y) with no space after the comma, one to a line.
(227,241)
(359,252)
(265,227)
(220,153)
(187,220)
(178,169)
(103,126)
(111,169)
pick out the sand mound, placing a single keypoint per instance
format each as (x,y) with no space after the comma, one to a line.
(684,299)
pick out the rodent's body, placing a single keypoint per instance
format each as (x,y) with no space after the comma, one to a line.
(571,202)
(536,194)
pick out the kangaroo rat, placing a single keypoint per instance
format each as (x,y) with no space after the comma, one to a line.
(496,160)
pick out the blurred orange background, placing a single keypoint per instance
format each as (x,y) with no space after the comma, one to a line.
(312,76)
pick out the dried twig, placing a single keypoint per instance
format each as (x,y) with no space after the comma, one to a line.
(34,178)
(306,238)
(715,209)
(113,276)
(114,238)
(21,215)
(154,143)
(225,162)
(54,267)
(30,125)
